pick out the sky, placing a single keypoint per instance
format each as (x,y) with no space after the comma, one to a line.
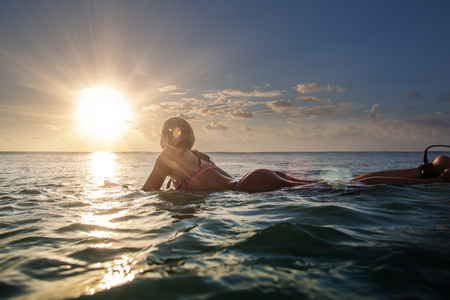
(251,75)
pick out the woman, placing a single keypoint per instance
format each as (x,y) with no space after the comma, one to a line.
(191,170)
(440,167)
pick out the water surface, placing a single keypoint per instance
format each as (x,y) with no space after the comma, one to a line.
(65,234)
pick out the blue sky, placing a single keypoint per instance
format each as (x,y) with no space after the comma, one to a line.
(248,75)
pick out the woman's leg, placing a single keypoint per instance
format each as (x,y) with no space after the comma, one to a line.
(263,180)
(408,176)
(293,179)
(412,173)
(441,163)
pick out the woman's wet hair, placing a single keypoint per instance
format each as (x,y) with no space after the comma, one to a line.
(179,132)
(180,135)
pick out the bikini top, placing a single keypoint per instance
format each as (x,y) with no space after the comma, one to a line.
(184,184)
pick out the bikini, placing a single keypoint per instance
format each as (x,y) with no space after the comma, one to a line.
(185,184)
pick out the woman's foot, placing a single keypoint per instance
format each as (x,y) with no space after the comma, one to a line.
(446,175)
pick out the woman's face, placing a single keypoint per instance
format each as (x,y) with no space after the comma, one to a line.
(164,142)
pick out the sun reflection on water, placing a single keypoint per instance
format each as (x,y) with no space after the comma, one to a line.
(103,166)
(104,210)
(118,272)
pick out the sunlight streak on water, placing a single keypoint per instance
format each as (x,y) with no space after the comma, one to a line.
(118,272)
(102,166)
(103,210)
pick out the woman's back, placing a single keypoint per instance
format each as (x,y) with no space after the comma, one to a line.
(193,171)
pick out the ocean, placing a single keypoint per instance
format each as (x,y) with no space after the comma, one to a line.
(76,226)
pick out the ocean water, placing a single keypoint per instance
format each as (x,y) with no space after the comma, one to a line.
(67,231)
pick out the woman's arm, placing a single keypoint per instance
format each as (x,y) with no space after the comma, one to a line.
(159,173)
(445,177)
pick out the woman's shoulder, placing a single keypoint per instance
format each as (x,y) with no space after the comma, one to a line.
(170,153)
(167,151)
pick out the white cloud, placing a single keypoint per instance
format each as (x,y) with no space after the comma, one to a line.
(251,93)
(215,126)
(240,114)
(313,99)
(136,127)
(314,112)
(345,131)
(280,106)
(168,88)
(425,122)
(294,121)
(187,117)
(52,128)
(372,112)
(228,108)
(315,87)
(151,107)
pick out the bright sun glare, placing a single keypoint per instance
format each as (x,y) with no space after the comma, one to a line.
(103,113)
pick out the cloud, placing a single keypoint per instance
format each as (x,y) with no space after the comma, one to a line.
(264,112)
(217,105)
(411,107)
(280,105)
(136,127)
(215,126)
(245,128)
(52,128)
(425,122)
(209,107)
(314,112)
(251,93)
(312,99)
(151,107)
(294,121)
(416,95)
(345,131)
(372,113)
(315,87)
(214,95)
(168,88)
(186,117)
(239,114)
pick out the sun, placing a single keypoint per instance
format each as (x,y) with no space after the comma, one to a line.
(103,113)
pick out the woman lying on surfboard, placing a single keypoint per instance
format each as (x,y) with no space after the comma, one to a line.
(191,170)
